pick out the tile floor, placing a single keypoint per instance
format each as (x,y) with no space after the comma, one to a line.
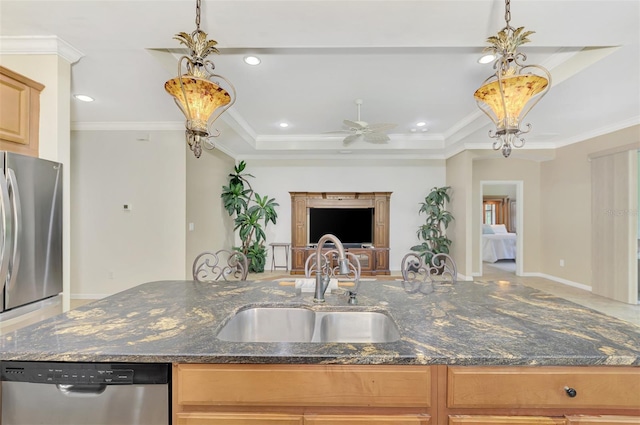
(627,312)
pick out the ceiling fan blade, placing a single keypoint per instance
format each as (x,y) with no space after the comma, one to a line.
(354,124)
(382,126)
(377,138)
(352,138)
(337,132)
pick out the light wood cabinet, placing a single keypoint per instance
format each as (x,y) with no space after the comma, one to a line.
(238,419)
(210,394)
(543,387)
(603,420)
(19,113)
(505,420)
(311,419)
(302,385)
(315,394)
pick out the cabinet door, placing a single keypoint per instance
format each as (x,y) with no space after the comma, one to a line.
(382,260)
(504,420)
(306,385)
(543,387)
(19,113)
(418,419)
(14,115)
(603,420)
(298,257)
(365,257)
(238,419)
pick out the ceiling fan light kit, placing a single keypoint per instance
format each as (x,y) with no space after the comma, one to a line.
(362,130)
(200,99)
(508,95)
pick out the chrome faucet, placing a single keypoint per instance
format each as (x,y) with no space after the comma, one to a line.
(322,280)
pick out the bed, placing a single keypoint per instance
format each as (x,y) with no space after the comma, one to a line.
(497,243)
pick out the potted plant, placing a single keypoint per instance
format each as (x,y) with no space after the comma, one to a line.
(252,212)
(432,232)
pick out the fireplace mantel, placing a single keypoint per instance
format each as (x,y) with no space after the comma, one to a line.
(377,257)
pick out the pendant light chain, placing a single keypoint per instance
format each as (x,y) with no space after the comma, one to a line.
(198,15)
(507,13)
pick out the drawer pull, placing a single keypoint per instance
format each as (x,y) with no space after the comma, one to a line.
(570,392)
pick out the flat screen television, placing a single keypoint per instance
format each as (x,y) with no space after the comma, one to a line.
(350,225)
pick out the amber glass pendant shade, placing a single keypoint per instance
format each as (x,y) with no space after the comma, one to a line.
(518,90)
(203,97)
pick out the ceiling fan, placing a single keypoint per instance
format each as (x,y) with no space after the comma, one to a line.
(361,130)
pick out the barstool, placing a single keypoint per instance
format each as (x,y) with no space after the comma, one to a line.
(275,245)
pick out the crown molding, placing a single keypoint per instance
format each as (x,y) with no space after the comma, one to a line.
(39,45)
(127,125)
(620,125)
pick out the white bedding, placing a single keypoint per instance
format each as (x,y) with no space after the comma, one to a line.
(498,247)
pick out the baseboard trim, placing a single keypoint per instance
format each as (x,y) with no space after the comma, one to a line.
(465,277)
(89,296)
(559,280)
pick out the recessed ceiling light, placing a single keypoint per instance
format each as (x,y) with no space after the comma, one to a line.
(488,58)
(421,124)
(252,60)
(83,97)
(413,130)
(283,125)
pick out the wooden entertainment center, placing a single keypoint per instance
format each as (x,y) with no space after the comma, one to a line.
(373,260)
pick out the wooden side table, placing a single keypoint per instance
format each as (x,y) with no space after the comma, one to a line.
(275,245)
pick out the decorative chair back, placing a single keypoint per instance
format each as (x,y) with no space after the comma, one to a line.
(420,276)
(220,265)
(330,267)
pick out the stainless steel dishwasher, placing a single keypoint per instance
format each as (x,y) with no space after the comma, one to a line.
(55,393)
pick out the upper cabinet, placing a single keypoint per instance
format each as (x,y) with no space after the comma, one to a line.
(19,113)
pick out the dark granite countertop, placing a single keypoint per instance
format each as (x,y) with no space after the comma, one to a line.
(472,323)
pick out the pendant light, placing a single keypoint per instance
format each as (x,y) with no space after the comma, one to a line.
(508,95)
(197,92)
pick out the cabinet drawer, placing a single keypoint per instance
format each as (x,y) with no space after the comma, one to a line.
(543,387)
(367,419)
(237,419)
(504,420)
(603,420)
(303,385)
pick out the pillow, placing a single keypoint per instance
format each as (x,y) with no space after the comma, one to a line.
(487,230)
(499,229)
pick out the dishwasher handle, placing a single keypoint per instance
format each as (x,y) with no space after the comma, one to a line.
(81,390)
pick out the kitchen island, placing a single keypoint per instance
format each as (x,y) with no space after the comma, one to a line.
(460,349)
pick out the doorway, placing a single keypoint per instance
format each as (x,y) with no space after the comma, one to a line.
(500,226)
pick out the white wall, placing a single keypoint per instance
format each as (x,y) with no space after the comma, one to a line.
(565,213)
(212,225)
(113,249)
(409,182)
(500,190)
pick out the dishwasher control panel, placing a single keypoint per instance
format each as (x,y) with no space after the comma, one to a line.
(83,373)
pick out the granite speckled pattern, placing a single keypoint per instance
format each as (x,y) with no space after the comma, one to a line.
(471,323)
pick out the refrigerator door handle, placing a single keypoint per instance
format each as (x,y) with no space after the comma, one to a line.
(5,217)
(14,265)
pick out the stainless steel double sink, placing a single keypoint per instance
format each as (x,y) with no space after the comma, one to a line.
(301,324)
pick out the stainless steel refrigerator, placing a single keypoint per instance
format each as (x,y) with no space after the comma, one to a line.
(30,230)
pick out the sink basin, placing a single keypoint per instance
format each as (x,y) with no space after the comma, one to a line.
(299,324)
(261,324)
(357,326)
